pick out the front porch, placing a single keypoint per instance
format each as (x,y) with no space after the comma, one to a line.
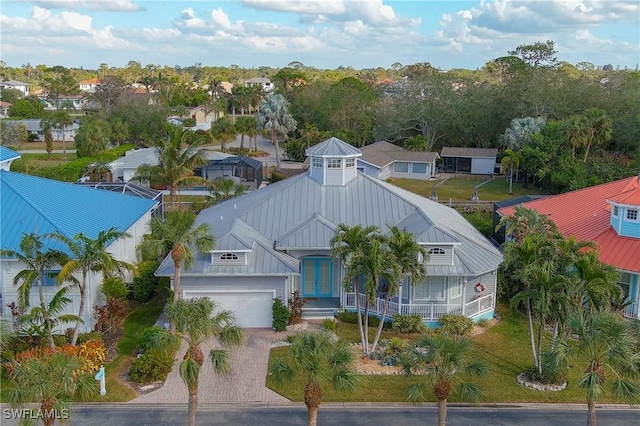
(319,307)
(631,311)
(430,312)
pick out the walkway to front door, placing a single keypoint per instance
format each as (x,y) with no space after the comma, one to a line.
(317,277)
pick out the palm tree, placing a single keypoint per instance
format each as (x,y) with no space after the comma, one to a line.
(50,380)
(178,156)
(440,360)
(405,261)
(575,132)
(511,160)
(349,245)
(61,119)
(246,125)
(89,255)
(592,283)
(223,130)
(607,345)
(38,264)
(225,189)
(320,358)
(599,128)
(274,118)
(520,131)
(177,234)
(198,321)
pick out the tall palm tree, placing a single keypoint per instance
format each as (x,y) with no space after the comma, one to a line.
(223,130)
(576,132)
(606,343)
(348,244)
(38,264)
(246,125)
(319,358)
(178,155)
(592,283)
(512,160)
(51,380)
(197,322)
(441,361)
(61,119)
(89,256)
(177,234)
(405,261)
(274,118)
(599,128)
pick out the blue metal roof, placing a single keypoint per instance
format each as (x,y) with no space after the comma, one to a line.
(33,204)
(7,154)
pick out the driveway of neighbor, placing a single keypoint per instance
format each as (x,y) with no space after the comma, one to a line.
(244,384)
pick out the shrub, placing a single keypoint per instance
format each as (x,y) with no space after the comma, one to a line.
(456,324)
(407,323)
(391,349)
(151,366)
(145,284)
(329,324)
(189,122)
(351,317)
(483,322)
(92,353)
(85,337)
(296,302)
(280,314)
(114,288)
(277,176)
(109,316)
(147,338)
(59,339)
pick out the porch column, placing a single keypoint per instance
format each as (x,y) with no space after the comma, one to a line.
(400,298)
(464,295)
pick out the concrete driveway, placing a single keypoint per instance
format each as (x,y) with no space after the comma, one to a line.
(244,384)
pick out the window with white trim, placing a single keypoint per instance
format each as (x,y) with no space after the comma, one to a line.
(401,167)
(624,282)
(436,250)
(316,162)
(350,162)
(419,168)
(455,289)
(334,163)
(433,288)
(632,214)
(228,256)
(615,211)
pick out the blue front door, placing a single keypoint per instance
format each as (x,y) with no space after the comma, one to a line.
(317,277)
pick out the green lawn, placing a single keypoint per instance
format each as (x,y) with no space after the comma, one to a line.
(505,349)
(461,189)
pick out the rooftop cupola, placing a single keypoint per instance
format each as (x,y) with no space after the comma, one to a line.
(333,162)
(625,210)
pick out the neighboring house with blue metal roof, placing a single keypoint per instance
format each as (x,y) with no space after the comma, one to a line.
(7,156)
(276,240)
(30,204)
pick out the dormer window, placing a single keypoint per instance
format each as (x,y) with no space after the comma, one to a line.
(334,163)
(229,256)
(436,251)
(632,214)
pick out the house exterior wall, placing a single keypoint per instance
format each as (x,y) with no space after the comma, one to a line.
(235,283)
(629,227)
(412,171)
(334,176)
(437,258)
(482,166)
(317,172)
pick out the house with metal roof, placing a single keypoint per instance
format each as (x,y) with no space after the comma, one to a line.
(7,156)
(477,161)
(34,127)
(30,204)
(385,160)
(608,215)
(276,240)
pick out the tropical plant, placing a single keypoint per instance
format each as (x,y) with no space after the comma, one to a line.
(177,234)
(273,117)
(320,359)
(349,246)
(223,130)
(197,322)
(178,155)
(246,125)
(51,380)
(407,260)
(38,264)
(226,188)
(606,343)
(575,132)
(89,256)
(598,127)
(417,143)
(520,132)
(441,361)
(511,160)
(60,120)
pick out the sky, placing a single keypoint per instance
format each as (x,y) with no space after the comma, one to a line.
(324,34)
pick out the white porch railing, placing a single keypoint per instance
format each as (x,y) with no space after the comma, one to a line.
(631,311)
(428,311)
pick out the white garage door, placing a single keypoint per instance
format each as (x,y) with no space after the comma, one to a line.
(251,309)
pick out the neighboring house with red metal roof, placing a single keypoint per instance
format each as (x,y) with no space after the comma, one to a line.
(383,160)
(607,214)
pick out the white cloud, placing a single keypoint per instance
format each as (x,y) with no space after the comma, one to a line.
(220,19)
(107,5)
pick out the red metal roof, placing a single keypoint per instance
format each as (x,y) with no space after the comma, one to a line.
(585,214)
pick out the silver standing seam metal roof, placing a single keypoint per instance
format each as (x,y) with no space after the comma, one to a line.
(299,213)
